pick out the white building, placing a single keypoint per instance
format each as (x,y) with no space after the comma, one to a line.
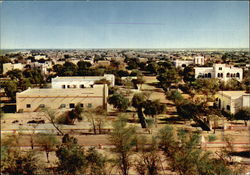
(38,57)
(221,71)
(31,100)
(80,82)
(195,60)
(232,101)
(9,66)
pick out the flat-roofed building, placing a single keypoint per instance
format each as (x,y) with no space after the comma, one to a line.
(193,60)
(232,101)
(221,71)
(80,81)
(32,100)
(9,66)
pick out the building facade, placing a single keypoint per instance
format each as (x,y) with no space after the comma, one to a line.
(221,71)
(232,101)
(9,66)
(80,82)
(200,60)
(31,100)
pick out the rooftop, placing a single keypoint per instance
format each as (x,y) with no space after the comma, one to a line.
(62,92)
(233,94)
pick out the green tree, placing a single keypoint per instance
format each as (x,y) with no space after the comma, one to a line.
(15,74)
(96,162)
(16,161)
(69,69)
(175,96)
(119,101)
(185,156)
(47,142)
(153,108)
(123,138)
(188,74)
(71,156)
(75,114)
(167,78)
(10,89)
(138,102)
(243,114)
(149,160)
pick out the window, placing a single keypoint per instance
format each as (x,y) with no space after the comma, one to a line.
(74,86)
(220,68)
(228,74)
(63,106)
(68,86)
(218,75)
(89,105)
(42,105)
(71,105)
(28,105)
(63,86)
(81,105)
(205,75)
(228,107)
(82,86)
(221,75)
(238,75)
(209,75)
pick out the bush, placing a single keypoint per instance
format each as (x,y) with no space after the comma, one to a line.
(212,138)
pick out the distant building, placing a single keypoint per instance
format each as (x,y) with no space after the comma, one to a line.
(32,100)
(80,82)
(104,63)
(9,66)
(38,57)
(200,60)
(232,101)
(221,71)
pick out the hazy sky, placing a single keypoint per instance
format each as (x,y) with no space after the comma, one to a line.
(55,24)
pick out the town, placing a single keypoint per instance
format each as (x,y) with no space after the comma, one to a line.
(124,88)
(119,98)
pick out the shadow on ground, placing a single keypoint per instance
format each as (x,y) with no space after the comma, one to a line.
(245,154)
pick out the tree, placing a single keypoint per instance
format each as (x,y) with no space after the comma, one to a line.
(16,161)
(167,78)
(123,138)
(175,96)
(152,67)
(50,114)
(15,74)
(188,74)
(153,108)
(71,156)
(75,114)
(34,75)
(97,118)
(138,102)
(148,161)
(24,84)
(47,142)
(69,69)
(10,89)
(185,156)
(119,101)
(96,162)
(243,114)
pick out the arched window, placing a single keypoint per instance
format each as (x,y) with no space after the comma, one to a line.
(218,75)
(233,75)
(205,75)
(228,74)
(228,107)
(183,65)
(209,75)
(238,75)
(221,75)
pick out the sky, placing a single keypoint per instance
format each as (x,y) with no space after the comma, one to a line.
(131,24)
